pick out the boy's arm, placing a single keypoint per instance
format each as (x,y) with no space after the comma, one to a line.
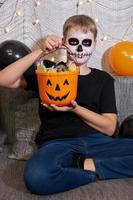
(105,122)
(11,76)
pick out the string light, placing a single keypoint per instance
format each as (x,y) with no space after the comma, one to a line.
(37,3)
(88,1)
(53,59)
(18,13)
(80,3)
(6,30)
(96,20)
(107,36)
(36,22)
(104,38)
(6,27)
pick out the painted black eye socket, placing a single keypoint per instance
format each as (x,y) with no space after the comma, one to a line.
(66,82)
(73,41)
(87,42)
(49,82)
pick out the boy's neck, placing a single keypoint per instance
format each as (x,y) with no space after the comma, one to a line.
(83,69)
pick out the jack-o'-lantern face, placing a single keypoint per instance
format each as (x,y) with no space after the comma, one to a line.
(58,88)
(57,91)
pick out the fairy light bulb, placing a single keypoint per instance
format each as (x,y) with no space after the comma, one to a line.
(18,13)
(37,3)
(80,3)
(96,20)
(88,1)
(52,59)
(36,22)
(104,38)
(6,30)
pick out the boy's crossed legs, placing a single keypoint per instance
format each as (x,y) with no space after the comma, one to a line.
(51,169)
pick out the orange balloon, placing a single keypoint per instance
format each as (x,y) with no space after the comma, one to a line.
(121,58)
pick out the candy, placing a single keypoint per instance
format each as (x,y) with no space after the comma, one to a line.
(58,67)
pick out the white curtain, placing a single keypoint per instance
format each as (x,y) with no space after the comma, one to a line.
(115,22)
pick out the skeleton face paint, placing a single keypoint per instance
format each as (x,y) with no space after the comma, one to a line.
(81,45)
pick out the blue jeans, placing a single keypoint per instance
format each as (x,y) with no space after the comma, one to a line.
(51,170)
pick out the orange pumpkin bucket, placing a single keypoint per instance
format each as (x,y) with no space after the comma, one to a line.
(58,88)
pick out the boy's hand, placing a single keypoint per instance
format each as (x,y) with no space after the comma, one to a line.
(52,43)
(53,107)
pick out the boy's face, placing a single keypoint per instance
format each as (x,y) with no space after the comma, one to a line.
(81,45)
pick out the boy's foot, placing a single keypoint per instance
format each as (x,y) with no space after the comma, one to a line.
(89,164)
(82,162)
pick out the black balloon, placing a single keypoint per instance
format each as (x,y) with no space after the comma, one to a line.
(126,128)
(11,51)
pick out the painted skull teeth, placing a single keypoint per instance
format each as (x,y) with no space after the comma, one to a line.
(80,55)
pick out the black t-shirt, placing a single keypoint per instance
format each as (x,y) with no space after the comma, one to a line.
(95,92)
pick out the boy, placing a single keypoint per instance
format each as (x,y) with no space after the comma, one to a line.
(69,134)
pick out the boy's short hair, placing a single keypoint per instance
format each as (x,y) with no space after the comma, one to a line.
(82,22)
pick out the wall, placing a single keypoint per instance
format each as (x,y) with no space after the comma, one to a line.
(115,22)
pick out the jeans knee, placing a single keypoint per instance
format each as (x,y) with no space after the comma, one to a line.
(37,183)
(39,180)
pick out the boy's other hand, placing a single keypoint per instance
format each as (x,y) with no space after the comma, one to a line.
(52,43)
(69,108)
